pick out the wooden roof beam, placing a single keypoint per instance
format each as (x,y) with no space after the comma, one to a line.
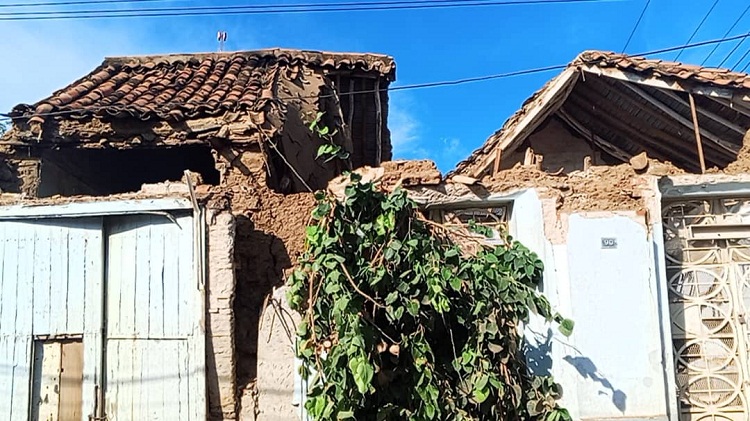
(585,133)
(732,104)
(596,96)
(546,104)
(675,149)
(708,114)
(729,147)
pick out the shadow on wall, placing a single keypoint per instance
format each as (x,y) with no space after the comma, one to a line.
(538,353)
(587,369)
(260,260)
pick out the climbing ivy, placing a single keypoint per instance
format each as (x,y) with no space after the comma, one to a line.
(329,150)
(400,323)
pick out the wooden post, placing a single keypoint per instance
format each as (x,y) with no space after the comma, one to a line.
(498,158)
(697,133)
(378,123)
(528,159)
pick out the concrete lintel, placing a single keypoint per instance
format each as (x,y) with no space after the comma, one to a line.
(680,187)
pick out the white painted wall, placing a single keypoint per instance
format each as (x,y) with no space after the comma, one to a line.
(612,367)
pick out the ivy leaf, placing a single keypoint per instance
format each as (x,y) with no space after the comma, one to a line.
(412,307)
(566,327)
(345,415)
(362,372)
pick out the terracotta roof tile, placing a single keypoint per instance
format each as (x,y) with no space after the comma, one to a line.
(664,69)
(196,84)
(648,68)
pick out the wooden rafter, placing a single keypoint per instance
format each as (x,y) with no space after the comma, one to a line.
(729,147)
(580,128)
(733,104)
(671,152)
(708,114)
(546,104)
(631,99)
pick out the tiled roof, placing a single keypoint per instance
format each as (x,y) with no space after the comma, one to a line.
(665,69)
(641,66)
(183,86)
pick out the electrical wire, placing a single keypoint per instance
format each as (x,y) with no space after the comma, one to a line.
(75,3)
(741,60)
(637,23)
(746,66)
(438,83)
(274,9)
(700,25)
(736,22)
(736,47)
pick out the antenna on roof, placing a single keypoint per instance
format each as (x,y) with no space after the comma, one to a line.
(221,36)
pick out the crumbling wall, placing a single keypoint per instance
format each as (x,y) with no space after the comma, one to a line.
(220,323)
(19,175)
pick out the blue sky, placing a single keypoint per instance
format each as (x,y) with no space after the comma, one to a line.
(443,124)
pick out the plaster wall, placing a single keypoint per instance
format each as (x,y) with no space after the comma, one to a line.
(614,366)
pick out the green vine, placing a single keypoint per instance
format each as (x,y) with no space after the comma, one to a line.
(329,150)
(400,324)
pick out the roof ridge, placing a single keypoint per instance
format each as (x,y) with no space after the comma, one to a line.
(274,51)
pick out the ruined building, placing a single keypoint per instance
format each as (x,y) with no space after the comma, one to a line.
(132,290)
(629,177)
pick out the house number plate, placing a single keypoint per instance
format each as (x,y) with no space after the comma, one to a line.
(609,243)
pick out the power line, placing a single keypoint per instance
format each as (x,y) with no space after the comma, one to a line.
(275,9)
(184,9)
(736,47)
(438,83)
(75,3)
(638,22)
(741,60)
(746,66)
(700,25)
(736,22)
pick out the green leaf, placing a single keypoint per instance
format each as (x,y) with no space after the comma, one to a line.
(566,327)
(413,307)
(362,372)
(345,415)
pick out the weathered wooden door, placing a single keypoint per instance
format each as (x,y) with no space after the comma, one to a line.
(100,316)
(50,318)
(154,343)
(707,246)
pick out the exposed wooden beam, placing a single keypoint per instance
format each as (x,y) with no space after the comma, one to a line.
(734,105)
(498,159)
(674,85)
(729,147)
(660,148)
(579,128)
(708,114)
(596,96)
(560,86)
(697,130)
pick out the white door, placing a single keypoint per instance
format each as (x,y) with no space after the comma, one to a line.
(154,343)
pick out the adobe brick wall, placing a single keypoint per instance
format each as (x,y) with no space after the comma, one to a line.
(220,287)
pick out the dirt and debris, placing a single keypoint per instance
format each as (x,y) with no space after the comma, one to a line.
(742,163)
(410,173)
(600,188)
